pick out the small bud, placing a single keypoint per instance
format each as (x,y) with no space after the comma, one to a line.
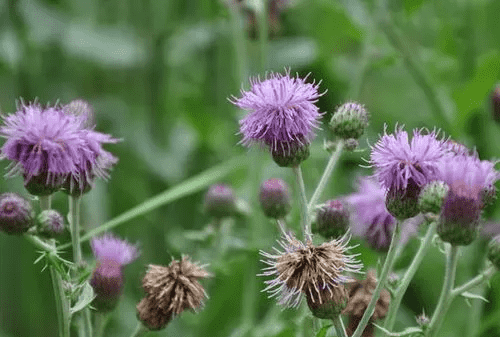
(432,196)
(460,215)
(50,223)
(351,144)
(349,120)
(495,104)
(275,198)
(290,154)
(332,219)
(220,201)
(107,282)
(423,321)
(494,251)
(328,303)
(403,203)
(393,280)
(16,214)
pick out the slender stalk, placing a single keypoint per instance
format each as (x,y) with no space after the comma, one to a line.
(339,326)
(62,305)
(282,226)
(263,33)
(445,297)
(101,320)
(239,42)
(405,282)
(326,176)
(485,275)
(303,201)
(85,329)
(139,331)
(389,261)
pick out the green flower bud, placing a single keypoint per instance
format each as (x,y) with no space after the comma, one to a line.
(432,196)
(50,223)
(220,201)
(274,198)
(349,120)
(332,219)
(290,154)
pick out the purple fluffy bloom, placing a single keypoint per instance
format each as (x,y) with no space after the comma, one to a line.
(370,218)
(47,145)
(281,111)
(110,247)
(399,162)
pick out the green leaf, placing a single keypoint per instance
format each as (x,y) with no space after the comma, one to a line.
(472,94)
(410,331)
(469,295)
(323,331)
(183,189)
(85,298)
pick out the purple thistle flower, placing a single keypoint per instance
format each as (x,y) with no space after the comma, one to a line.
(399,162)
(281,111)
(107,278)
(370,218)
(47,145)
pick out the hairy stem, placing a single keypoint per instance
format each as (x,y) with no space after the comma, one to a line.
(326,176)
(405,282)
(303,202)
(389,261)
(339,326)
(445,297)
(85,329)
(484,276)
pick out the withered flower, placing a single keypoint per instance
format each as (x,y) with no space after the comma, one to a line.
(316,271)
(171,290)
(360,295)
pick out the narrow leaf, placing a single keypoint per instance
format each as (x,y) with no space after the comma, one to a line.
(323,331)
(85,298)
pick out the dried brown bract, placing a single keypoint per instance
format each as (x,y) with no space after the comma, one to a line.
(309,269)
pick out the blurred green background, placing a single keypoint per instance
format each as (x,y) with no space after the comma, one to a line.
(159,72)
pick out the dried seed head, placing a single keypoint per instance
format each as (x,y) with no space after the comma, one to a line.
(176,288)
(151,316)
(305,268)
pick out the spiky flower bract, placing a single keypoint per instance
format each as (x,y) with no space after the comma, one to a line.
(404,166)
(48,145)
(171,290)
(303,268)
(282,112)
(107,281)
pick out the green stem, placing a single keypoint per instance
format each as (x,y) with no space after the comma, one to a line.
(62,305)
(85,329)
(389,261)
(101,320)
(282,226)
(263,33)
(139,331)
(303,202)
(326,176)
(239,42)
(339,326)
(485,275)
(445,297)
(405,282)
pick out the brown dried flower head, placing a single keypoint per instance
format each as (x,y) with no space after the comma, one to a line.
(171,290)
(308,269)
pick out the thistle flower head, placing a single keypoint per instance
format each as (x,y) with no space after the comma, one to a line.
(48,145)
(16,214)
(107,278)
(303,268)
(399,162)
(175,288)
(50,223)
(282,114)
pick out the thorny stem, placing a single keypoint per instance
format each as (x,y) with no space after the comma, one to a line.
(303,201)
(74,221)
(446,292)
(389,261)
(485,275)
(62,305)
(405,282)
(326,176)
(339,326)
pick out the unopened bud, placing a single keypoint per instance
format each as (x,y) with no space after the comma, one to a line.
(402,203)
(349,120)
(332,219)
(50,223)
(107,282)
(275,198)
(16,214)
(220,201)
(432,196)
(423,321)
